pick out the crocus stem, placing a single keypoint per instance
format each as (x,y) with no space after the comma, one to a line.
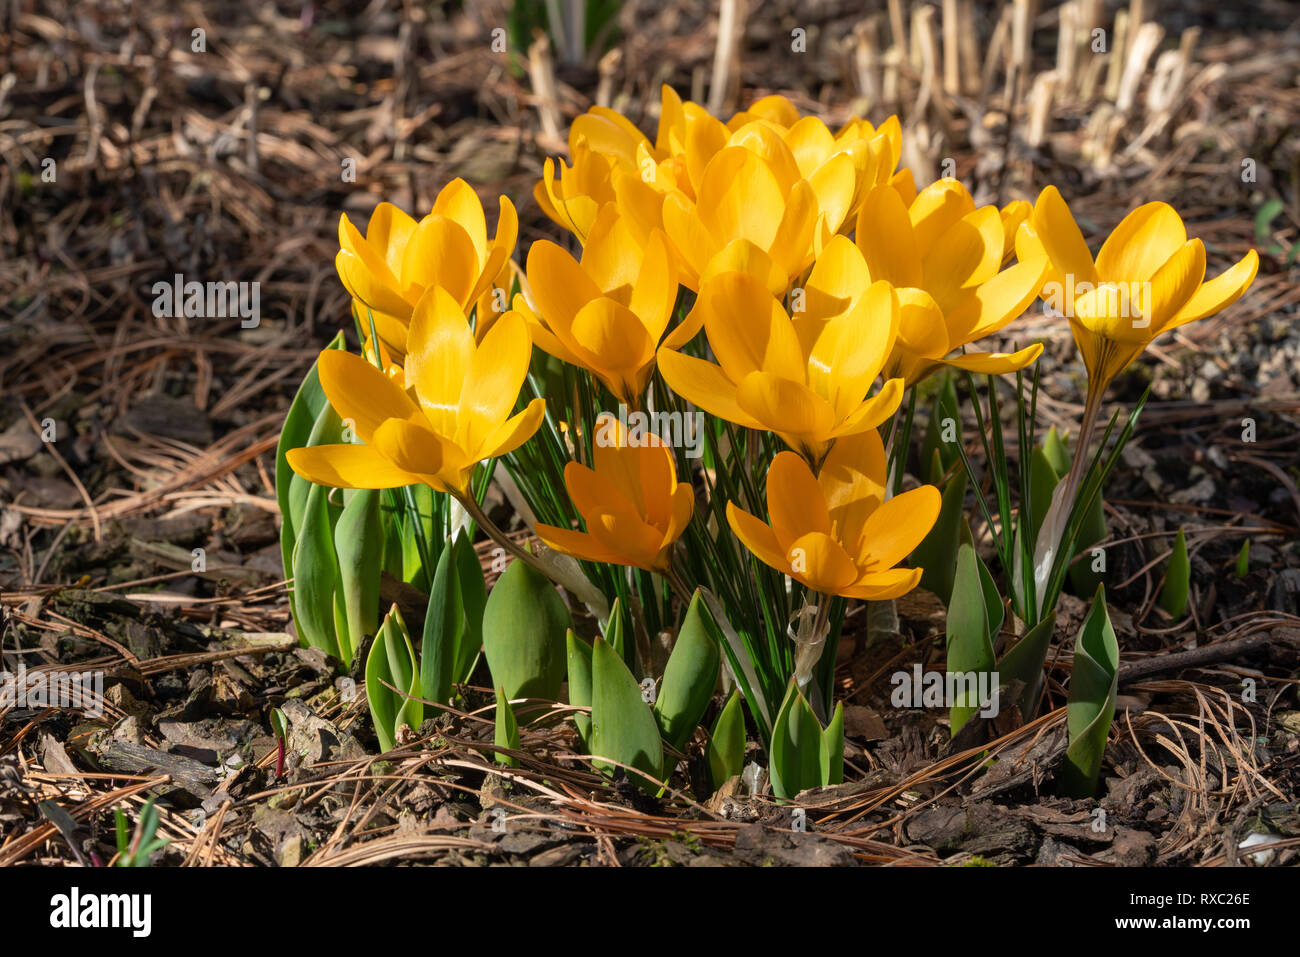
(501,538)
(1074,478)
(1058,513)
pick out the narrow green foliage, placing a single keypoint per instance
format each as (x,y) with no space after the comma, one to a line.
(524,623)
(392,662)
(1091,704)
(579,655)
(623,728)
(303,412)
(936,555)
(804,755)
(970,646)
(1173,597)
(316,574)
(689,677)
(507,731)
(726,752)
(453,625)
(1024,662)
(135,850)
(358,540)
(1243,560)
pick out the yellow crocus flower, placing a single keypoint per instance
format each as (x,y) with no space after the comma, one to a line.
(944,256)
(607,313)
(631,502)
(450,411)
(390,268)
(807,378)
(1147,279)
(836,532)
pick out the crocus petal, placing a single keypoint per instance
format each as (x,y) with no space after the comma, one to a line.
(515,431)
(748,328)
(887,240)
(440,351)
(936,209)
(996,363)
(873,411)
(821,563)
(1143,241)
(786,407)
(794,500)
(963,256)
(852,483)
(440,252)
(883,586)
(705,385)
(360,392)
(578,544)
(1174,284)
(559,285)
(758,538)
(388,232)
(491,384)
(349,466)
(1220,292)
(458,202)
(360,279)
(1060,238)
(893,530)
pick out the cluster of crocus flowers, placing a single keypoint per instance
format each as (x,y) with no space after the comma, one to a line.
(945,256)
(633,506)
(449,410)
(390,268)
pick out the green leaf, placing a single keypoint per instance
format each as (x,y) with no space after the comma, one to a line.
(797,759)
(726,751)
(524,623)
(936,555)
(579,654)
(392,660)
(358,540)
(315,574)
(1091,704)
(993,607)
(1264,218)
(507,731)
(935,439)
(444,628)
(1243,560)
(1092,530)
(690,676)
(278,726)
(1057,454)
(832,749)
(1043,478)
(623,727)
(473,598)
(1173,597)
(303,412)
(1024,662)
(970,647)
